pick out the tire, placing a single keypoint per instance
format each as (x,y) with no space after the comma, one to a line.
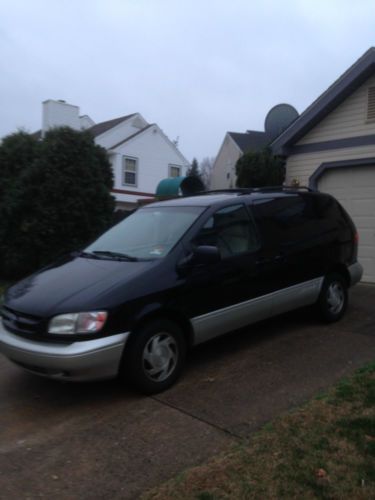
(155,356)
(333,298)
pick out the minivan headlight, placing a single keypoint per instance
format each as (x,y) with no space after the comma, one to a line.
(84,322)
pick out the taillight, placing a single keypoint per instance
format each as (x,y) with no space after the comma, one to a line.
(356,237)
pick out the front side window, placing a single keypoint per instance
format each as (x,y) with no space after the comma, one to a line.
(231,230)
(149,233)
(130,171)
(174,171)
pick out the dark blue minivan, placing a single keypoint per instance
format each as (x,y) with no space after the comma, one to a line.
(178,273)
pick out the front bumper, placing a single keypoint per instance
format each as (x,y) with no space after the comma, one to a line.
(77,361)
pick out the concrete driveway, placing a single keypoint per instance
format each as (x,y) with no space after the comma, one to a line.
(101,441)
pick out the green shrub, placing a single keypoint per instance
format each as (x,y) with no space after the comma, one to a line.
(56,197)
(260,168)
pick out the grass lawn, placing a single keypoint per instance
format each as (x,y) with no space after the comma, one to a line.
(326,449)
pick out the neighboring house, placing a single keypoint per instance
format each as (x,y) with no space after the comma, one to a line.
(140,153)
(236,144)
(331,147)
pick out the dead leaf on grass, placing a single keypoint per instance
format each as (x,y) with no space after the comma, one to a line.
(320,473)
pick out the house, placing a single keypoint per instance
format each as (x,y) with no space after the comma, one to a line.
(235,144)
(140,153)
(331,147)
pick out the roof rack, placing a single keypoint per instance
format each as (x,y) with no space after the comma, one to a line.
(228,191)
(282,188)
(255,190)
(306,188)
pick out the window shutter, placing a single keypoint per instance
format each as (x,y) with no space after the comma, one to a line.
(371,103)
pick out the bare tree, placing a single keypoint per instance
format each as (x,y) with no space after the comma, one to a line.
(205,167)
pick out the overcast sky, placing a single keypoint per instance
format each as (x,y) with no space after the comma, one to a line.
(198,68)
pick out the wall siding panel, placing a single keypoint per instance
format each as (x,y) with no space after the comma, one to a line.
(347,120)
(225,164)
(302,166)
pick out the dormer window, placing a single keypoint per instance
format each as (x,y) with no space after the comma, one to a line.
(371,104)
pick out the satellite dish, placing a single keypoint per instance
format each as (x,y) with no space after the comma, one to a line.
(278,119)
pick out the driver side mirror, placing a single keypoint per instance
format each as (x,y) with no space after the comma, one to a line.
(202,255)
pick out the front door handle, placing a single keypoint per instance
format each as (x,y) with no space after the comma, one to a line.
(279,258)
(270,260)
(263,261)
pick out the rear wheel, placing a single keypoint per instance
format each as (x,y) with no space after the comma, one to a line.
(155,356)
(333,299)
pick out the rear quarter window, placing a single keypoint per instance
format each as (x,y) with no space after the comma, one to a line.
(282,220)
(327,207)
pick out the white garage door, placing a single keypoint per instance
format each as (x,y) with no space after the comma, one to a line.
(355,189)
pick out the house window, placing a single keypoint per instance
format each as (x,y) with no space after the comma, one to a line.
(371,104)
(130,171)
(174,171)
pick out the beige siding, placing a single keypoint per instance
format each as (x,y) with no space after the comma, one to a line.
(225,164)
(347,120)
(355,189)
(302,166)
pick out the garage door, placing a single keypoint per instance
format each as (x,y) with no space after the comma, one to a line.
(355,189)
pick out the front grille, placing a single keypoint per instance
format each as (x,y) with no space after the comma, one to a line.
(20,323)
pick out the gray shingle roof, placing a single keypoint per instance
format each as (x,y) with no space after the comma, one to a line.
(251,140)
(102,127)
(97,129)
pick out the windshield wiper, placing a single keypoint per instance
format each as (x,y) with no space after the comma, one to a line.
(86,255)
(114,255)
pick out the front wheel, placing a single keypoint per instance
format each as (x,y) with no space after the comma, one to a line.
(155,356)
(333,299)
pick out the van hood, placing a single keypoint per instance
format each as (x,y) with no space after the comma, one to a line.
(74,284)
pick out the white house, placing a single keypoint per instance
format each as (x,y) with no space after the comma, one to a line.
(140,153)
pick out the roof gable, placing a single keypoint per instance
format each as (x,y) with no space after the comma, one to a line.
(133,135)
(102,127)
(155,128)
(250,141)
(345,85)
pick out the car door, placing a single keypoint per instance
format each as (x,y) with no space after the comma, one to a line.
(227,294)
(290,250)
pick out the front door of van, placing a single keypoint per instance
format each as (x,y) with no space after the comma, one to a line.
(226,295)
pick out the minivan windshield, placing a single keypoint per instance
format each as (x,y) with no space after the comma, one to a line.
(149,233)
